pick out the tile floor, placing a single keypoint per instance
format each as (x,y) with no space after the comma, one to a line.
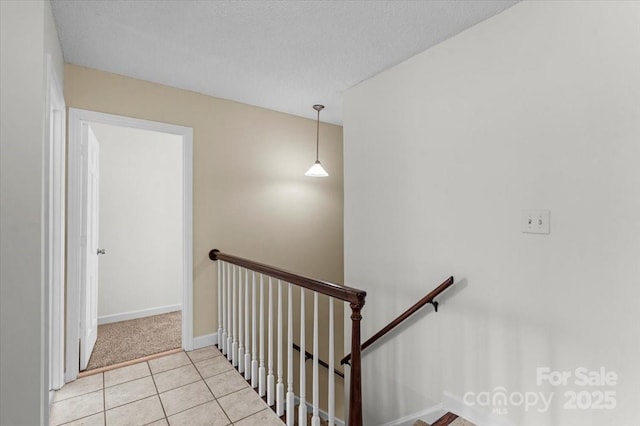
(187,388)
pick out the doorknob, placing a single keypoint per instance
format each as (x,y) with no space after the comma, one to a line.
(101,251)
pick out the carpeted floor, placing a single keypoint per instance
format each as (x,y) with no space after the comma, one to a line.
(127,340)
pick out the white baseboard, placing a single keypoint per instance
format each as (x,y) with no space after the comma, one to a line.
(428,415)
(108,319)
(206,340)
(452,403)
(323,414)
(475,415)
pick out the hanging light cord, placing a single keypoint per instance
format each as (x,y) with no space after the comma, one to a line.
(318,137)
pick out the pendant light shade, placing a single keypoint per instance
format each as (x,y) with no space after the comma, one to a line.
(316,170)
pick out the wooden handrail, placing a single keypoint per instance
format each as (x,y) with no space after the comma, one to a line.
(347,294)
(308,355)
(393,324)
(356,299)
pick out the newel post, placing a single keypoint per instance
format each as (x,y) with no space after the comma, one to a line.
(355,387)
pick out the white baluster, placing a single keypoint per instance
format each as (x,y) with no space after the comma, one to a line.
(331,400)
(270,379)
(262,373)
(247,337)
(302,408)
(280,385)
(290,396)
(254,346)
(222,337)
(240,356)
(219,266)
(315,420)
(229,309)
(234,312)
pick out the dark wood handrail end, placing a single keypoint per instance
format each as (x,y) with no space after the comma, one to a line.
(213,254)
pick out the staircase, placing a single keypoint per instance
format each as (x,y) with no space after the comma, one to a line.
(448,419)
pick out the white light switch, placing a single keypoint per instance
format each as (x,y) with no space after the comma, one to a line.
(536,221)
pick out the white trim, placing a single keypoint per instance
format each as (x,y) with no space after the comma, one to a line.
(323,414)
(205,340)
(475,415)
(142,313)
(54,191)
(187,217)
(452,403)
(74,222)
(74,225)
(428,415)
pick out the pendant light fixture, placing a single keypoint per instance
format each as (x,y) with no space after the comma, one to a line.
(317,170)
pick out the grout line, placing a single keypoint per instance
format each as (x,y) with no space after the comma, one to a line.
(259,411)
(155,385)
(207,385)
(75,420)
(195,406)
(104,399)
(263,399)
(128,380)
(132,401)
(127,363)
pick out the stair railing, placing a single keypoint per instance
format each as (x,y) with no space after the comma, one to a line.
(241,300)
(428,299)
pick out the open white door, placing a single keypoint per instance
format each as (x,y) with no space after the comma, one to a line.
(89,289)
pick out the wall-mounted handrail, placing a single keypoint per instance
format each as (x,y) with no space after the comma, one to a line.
(308,355)
(355,297)
(412,310)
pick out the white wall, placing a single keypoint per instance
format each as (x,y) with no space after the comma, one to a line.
(140,221)
(27,36)
(536,108)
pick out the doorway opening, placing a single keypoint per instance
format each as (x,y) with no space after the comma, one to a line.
(129,284)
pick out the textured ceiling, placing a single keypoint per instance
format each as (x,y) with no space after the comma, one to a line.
(281,55)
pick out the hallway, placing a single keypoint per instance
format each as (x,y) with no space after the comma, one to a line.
(186,388)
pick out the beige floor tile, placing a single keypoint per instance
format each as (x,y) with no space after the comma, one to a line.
(262,418)
(129,392)
(209,414)
(241,404)
(95,420)
(175,378)
(185,397)
(126,374)
(212,366)
(204,353)
(224,383)
(168,362)
(77,407)
(79,387)
(136,413)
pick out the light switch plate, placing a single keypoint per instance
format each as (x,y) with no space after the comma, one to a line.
(536,221)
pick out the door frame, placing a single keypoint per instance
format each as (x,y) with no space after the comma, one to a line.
(54,239)
(77,118)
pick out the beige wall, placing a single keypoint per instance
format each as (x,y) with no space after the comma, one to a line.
(535,108)
(27,38)
(251,197)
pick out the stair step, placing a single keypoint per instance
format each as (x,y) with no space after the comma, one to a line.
(446,420)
